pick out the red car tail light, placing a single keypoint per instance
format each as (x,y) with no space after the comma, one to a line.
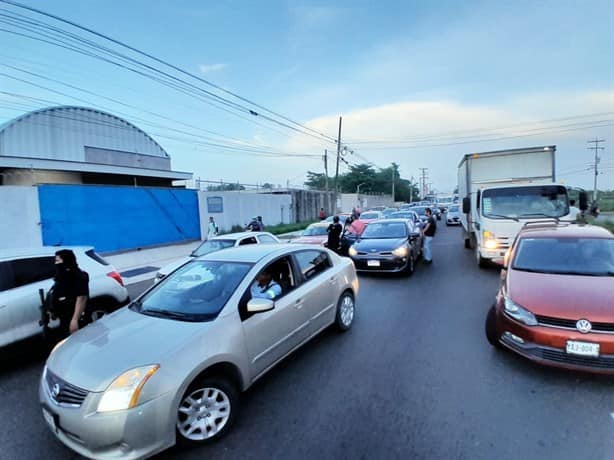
(117,277)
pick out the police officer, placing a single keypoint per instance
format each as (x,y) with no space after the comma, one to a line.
(70,291)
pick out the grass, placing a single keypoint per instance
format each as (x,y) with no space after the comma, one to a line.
(606,201)
(276,229)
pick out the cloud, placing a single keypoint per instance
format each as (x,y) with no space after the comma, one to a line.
(436,134)
(206,69)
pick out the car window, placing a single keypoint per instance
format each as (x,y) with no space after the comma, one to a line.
(195,292)
(33,270)
(7,278)
(212,246)
(312,263)
(282,273)
(266,239)
(250,240)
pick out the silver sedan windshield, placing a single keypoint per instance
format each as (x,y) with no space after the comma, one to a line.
(196,292)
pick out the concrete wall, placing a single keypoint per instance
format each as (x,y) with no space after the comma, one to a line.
(351,200)
(306,204)
(237,208)
(19,217)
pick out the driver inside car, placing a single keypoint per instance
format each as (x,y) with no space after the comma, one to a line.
(265,287)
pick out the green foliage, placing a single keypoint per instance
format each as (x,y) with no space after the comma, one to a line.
(370,180)
(225,188)
(287,228)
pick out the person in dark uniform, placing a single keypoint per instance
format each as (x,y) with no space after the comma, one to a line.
(429,233)
(70,291)
(334,235)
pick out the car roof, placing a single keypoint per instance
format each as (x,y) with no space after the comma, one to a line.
(12,253)
(319,224)
(238,235)
(400,220)
(253,253)
(547,230)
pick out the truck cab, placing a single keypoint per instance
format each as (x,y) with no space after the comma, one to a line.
(496,214)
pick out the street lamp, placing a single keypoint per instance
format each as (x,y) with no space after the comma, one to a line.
(358,188)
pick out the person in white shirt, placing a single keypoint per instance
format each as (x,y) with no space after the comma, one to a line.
(573,211)
(212,228)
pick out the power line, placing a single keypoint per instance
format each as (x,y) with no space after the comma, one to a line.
(301,128)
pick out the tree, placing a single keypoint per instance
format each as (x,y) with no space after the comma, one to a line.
(225,188)
(316,181)
(267,186)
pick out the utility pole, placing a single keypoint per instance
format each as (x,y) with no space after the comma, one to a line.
(326,170)
(596,148)
(393,178)
(423,177)
(337,168)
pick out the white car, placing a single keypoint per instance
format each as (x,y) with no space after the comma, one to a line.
(23,272)
(453,215)
(217,243)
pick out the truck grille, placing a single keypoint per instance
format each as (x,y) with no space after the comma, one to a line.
(64,393)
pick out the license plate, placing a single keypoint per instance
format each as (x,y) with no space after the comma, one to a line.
(49,419)
(582,348)
(373,263)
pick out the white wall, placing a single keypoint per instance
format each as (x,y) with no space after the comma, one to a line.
(240,207)
(19,217)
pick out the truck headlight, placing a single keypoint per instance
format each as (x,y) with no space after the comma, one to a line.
(352,251)
(490,244)
(400,251)
(519,313)
(124,391)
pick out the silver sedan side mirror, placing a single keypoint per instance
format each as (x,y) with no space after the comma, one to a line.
(260,305)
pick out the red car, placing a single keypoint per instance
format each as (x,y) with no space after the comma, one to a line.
(555,305)
(314,234)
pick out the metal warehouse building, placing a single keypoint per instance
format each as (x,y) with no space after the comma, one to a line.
(78,145)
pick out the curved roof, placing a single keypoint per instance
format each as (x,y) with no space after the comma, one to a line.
(64,133)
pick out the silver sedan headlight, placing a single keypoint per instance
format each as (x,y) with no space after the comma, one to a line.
(352,251)
(124,391)
(519,313)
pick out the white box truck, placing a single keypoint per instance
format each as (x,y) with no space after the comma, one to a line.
(503,190)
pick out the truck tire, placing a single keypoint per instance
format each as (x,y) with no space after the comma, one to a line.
(481,261)
(467,243)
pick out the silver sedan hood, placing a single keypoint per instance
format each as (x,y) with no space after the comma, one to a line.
(93,357)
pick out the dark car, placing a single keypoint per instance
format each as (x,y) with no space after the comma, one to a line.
(555,302)
(387,245)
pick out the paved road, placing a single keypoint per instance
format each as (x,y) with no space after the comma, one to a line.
(414,378)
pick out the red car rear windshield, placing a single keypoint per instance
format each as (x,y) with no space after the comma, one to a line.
(569,256)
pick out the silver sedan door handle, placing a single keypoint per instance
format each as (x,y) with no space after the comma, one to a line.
(298,304)
(333,280)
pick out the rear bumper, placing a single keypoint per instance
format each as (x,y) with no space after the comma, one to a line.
(547,345)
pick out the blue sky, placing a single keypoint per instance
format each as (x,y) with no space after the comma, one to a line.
(396,70)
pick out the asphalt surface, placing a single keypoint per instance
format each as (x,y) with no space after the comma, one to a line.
(413,379)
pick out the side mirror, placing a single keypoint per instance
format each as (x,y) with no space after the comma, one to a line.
(466,205)
(260,305)
(583,201)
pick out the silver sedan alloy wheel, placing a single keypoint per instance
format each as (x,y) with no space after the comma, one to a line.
(203,414)
(347,310)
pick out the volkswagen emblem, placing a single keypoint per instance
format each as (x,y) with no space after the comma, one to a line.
(55,391)
(584,326)
(373,250)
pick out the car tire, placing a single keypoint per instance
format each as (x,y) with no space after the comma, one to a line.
(210,403)
(97,308)
(467,243)
(490,328)
(346,310)
(411,266)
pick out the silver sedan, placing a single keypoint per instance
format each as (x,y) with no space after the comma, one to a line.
(170,367)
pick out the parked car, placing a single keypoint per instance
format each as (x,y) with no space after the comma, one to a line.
(23,272)
(342,218)
(421,211)
(370,216)
(453,215)
(376,208)
(554,305)
(388,245)
(218,243)
(170,367)
(388,211)
(412,216)
(314,234)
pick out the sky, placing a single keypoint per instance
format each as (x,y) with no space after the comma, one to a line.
(418,83)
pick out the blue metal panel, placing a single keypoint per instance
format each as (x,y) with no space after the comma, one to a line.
(113,218)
